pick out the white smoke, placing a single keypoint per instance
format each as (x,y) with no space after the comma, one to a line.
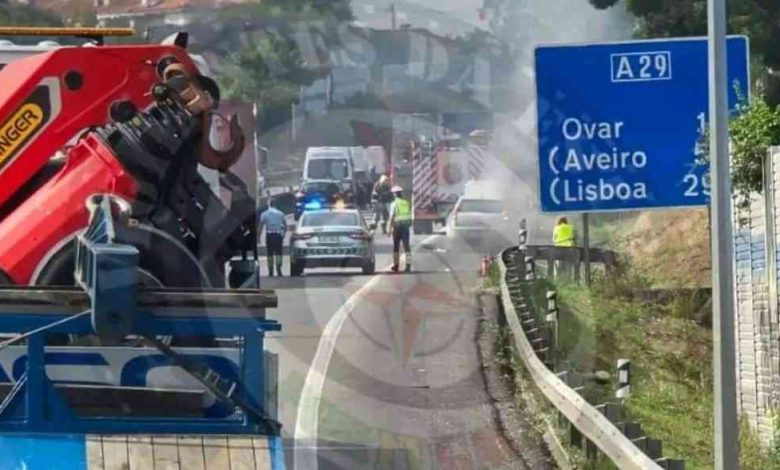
(528,24)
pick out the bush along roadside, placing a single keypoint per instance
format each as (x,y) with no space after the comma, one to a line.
(669,347)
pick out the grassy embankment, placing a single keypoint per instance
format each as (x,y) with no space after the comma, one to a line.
(668,342)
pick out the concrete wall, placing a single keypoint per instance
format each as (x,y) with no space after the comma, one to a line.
(758,333)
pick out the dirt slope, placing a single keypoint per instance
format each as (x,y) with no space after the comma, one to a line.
(673,246)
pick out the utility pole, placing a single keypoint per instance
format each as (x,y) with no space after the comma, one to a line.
(724,360)
(392,16)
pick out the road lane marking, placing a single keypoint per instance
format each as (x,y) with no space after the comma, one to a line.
(307,419)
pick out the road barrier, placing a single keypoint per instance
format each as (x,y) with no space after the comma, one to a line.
(595,428)
(570,258)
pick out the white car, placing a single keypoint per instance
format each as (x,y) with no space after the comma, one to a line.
(481,223)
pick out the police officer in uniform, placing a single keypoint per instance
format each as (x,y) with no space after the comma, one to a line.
(399,225)
(275,228)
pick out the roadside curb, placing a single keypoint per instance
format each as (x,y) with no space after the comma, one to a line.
(525,439)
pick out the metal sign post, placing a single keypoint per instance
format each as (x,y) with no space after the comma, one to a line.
(724,360)
(586,245)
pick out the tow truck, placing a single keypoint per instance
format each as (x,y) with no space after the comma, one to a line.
(126,120)
(109,231)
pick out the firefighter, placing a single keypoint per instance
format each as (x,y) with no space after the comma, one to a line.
(400,226)
(381,197)
(275,227)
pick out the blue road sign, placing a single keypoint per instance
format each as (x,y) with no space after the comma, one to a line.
(620,124)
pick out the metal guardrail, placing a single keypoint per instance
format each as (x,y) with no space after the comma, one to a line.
(572,256)
(587,419)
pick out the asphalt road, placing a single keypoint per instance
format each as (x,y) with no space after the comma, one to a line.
(382,371)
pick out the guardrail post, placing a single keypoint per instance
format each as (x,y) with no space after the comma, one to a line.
(530,269)
(632,430)
(654,449)
(564,376)
(520,267)
(575,436)
(522,235)
(671,464)
(591,451)
(623,379)
(575,258)
(552,320)
(612,411)
(551,263)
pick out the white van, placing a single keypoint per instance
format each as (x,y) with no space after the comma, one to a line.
(330,164)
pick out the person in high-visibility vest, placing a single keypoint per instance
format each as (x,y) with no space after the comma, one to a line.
(400,226)
(563,234)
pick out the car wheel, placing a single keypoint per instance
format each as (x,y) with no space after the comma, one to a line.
(369,267)
(296,268)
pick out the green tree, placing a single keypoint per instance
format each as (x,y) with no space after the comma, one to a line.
(269,69)
(23,15)
(752,131)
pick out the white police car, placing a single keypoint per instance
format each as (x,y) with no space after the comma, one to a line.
(333,238)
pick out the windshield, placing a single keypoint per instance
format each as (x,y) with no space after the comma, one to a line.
(325,219)
(481,205)
(324,188)
(328,168)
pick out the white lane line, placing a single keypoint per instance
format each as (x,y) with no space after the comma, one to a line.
(307,420)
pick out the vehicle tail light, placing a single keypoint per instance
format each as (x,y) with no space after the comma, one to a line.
(360,236)
(301,236)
